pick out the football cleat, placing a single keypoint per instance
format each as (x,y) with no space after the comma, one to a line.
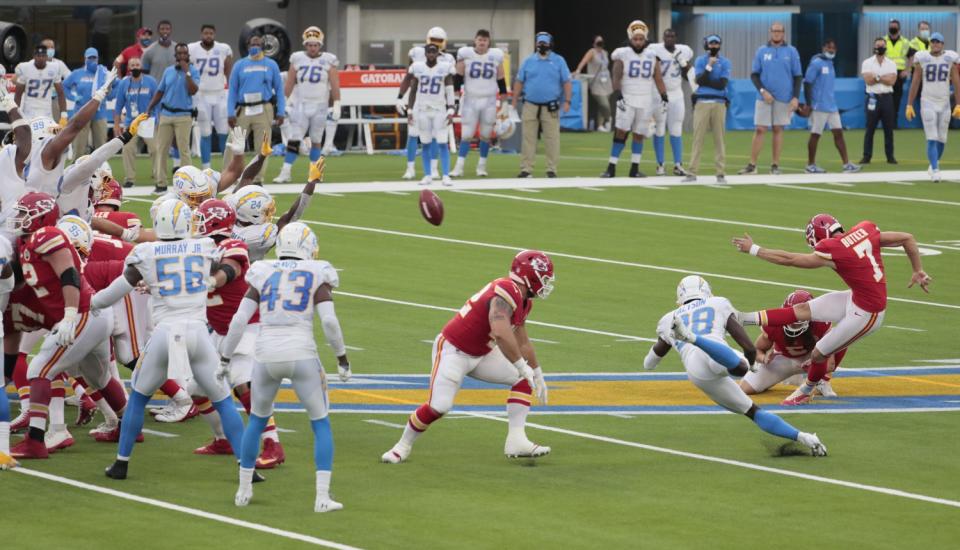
(445,180)
(177,413)
(29,448)
(721,179)
(72,400)
(283,176)
(515,447)
(482,171)
(678,170)
(427,180)
(396,455)
(850,168)
(20,423)
(57,440)
(244,495)
(85,411)
(117,470)
(935,175)
(775,169)
(215,447)
(325,504)
(825,389)
(635,171)
(747,170)
(814,169)
(271,456)
(797,398)
(682,332)
(813,442)
(7,462)
(410,173)
(457,171)
(661,171)
(105,434)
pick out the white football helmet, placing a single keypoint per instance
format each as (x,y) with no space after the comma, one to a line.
(636,27)
(296,240)
(42,128)
(253,204)
(693,287)
(171,220)
(506,123)
(313,34)
(104,172)
(158,201)
(79,233)
(214,177)
(192,186)
(438,36)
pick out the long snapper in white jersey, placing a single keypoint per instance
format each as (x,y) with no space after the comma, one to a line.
(670,66)
(313,81)
(418,54)
(38,88)
(935,70)
(705,318)
(431,91)
(638,68)
(211,64)
(286,290)
(259,238)
(176,273)
(12,188)
(480,71)
(37,177)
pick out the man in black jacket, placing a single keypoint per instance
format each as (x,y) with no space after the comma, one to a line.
(710,106)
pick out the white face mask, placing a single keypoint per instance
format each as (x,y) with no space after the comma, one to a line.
(829,55)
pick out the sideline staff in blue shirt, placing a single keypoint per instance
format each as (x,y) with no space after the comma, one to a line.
(710,99)
(79,88)
(133,93)
(543,81)
(818,93)
(175,98)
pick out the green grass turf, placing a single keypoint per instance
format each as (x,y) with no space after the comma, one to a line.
(458,490)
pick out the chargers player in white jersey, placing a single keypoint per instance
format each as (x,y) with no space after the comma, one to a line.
(697,329)
(675,63)
(213,61)
(6,285)
(177,270)
(431,107)
(287,292)
(313,82)
(37,81)
(636,76)
(438,37)
(14,152)
(481,68)
(937,69)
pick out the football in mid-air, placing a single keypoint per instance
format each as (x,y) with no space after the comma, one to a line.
(431,207)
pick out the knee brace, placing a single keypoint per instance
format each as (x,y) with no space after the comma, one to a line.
(293,146)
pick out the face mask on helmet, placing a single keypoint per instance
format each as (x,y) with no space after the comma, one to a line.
(796,329)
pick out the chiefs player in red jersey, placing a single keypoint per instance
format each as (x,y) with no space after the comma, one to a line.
(783,351)
(78,337)
(108,198)
(487,340)
(855,313)
(215,218)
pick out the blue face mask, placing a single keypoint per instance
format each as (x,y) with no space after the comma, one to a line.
(50,52)
(91,66)
(829,55)
(145,42)
(255,51)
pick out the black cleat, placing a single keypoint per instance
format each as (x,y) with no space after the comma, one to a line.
(257,478)
(635,171)
(117,470)
(865,160)
(610,172)
(551,174)
(159,189)
(128,184)
(524,175)
(892,160)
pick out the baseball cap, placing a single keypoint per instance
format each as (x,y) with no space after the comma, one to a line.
(91,52)
(144,30)
(544,37)
(936,37)
(713,38)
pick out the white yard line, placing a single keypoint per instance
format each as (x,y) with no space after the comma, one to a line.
(385,423)
(839,184)
(859,194)
(911,329)
(158,433)
(186,510)
(910,183)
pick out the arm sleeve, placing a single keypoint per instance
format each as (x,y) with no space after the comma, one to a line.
(119,288)
(755,66)
(796,86)
(331,327)
(239,322)
(301,206)
(795,63)
(81,172)
(755,78)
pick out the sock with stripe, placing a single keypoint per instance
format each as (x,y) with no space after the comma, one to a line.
(39,404)
(636,151)
(209,414)
(658,148)
(115,396)
(616,149)
(418,422)
(771,317)
(57,394)
(773,424)
(289,158)
(518,407)
(676,147)
(250,444)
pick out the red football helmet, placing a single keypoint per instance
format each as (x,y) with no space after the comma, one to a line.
(33,211)
(109,193)
(798,296)
(214,217)
(534,269)
(821,227)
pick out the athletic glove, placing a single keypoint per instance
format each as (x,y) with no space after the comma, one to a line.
(344,372)
(237,141)
(102,92)
(541,385)
(316,169)
(910,114)
(130,234)
(401,107)
(223,371)
(127,135)
(7,102)
(335,111)
(265,148)
(66,329)
(956,112)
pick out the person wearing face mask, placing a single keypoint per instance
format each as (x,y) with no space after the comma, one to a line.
(897,48)
(174,97)
(818,92)
(879,75)
(79,87)
(919,43)
(34,89)
(161,54)
(710,101)
(62,73)
(543,84)
(255,97)
(133,94)
(144,37)
(597,64)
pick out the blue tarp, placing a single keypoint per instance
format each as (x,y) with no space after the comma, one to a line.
(573,120)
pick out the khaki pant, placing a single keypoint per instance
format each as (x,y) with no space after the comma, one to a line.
(171,127)
(130,156)
(709,117)
(97,129)
(258,126)
(532,122)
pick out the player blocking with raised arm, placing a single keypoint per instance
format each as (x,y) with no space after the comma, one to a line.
(177,269)
(855,313)
(636,76)
(675,63)
(937,70)
(431,107)
(213,61)
(696,329)
(6,286)
(288,293)
(481,68)
(487,340)
(313,82)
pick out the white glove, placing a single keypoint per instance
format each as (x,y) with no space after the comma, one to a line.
(211,283)
(344,372)
(401,107)
(65,331)
(525,372)
(130,234)
(621,105)
(6,100)
(102,92)
(237,141)
(335,111)
(541,385)
(223,371)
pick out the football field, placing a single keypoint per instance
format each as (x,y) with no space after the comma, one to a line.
(639,459)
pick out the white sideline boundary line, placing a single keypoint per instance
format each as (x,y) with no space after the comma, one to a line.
(186,510)
(860,194)
(878,410)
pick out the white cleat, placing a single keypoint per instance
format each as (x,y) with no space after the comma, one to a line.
(935,175)
(524,448)
(457,171)
(813,443)
(283,177)
(104,428)
(73,400)
(396,455)
(410,173)
(446,181)
(244,495)
(326,504)
(57,440)
(427,180)
(482,172)
(682,332)
(825,389)
(174,413)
